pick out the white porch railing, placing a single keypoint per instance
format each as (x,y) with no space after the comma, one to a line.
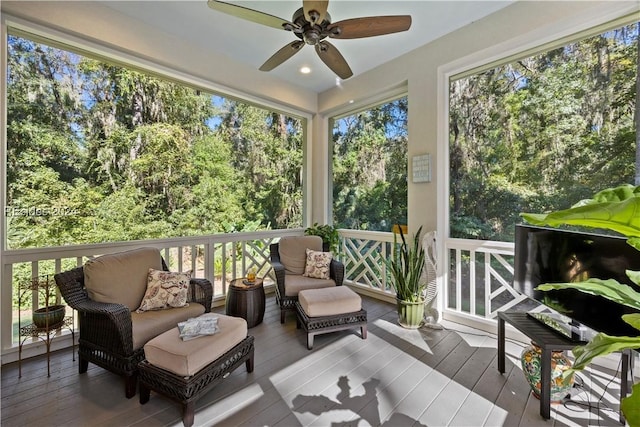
(474,285)
(479,277)
(219,258)
(363,254)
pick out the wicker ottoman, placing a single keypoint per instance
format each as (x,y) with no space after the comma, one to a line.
(185,370)
(330,309)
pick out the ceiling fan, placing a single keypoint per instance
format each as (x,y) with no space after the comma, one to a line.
(311,24)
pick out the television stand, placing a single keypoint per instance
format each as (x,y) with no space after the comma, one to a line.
(548,341)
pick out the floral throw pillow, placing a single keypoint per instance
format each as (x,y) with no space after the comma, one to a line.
(317,265)
(165,289)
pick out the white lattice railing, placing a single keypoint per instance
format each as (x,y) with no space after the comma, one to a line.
(476,281)
(479,277)
(219,258)
(363,254)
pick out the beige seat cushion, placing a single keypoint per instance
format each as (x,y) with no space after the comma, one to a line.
(292,250)
(329,301)
(121,277)
(149,324)
(294,283)
(186,358)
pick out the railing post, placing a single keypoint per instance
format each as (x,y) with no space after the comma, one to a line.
(6,310)
(209,261)
(472,284)
(487,285)
(458,280)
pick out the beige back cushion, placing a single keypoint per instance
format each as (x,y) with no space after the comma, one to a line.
(293,253)
(122,277)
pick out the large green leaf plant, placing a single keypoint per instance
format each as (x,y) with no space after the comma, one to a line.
(616,209)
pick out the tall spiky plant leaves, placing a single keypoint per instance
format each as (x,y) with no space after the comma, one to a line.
(406,265)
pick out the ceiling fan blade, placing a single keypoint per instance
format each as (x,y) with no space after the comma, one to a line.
(249,14)
(368,27)
(319,6)
(333,59)
(282,55)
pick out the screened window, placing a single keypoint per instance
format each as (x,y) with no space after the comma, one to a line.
(370,168)
(542,133)
(99,152)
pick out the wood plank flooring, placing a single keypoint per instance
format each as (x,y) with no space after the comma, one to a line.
(396,377)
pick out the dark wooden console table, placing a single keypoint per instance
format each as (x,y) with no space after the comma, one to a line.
(548,341)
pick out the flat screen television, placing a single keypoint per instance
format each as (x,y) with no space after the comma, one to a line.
(547,255)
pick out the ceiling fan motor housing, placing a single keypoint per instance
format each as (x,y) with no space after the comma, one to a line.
(311,33)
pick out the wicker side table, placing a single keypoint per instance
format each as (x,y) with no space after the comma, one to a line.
(246,300)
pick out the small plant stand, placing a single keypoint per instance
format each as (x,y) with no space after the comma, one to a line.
(31,290)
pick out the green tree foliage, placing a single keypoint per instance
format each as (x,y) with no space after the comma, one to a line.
(370,168)
(537,133)
(267,150)
(98,152)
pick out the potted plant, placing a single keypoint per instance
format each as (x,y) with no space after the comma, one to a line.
(405,267)
(50,313)
(329,234)
(614,209)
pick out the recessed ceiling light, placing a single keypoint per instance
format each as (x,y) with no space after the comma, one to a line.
(305,70)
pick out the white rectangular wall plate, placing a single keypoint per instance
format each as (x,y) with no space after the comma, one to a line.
(422,168)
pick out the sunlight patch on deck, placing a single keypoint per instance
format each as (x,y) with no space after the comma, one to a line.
(374,382)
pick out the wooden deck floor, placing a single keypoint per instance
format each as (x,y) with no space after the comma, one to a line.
(395,377)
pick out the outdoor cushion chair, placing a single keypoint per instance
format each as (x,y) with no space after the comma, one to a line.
(114,296)
(289,261)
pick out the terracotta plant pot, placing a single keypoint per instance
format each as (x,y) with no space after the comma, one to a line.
(49,316)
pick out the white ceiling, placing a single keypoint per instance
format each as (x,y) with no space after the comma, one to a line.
(252,44)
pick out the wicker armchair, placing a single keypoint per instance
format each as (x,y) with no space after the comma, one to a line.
(289,278)
(106,337)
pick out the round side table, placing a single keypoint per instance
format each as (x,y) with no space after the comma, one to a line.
(246,300)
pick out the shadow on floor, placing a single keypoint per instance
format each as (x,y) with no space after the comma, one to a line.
(319,404)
